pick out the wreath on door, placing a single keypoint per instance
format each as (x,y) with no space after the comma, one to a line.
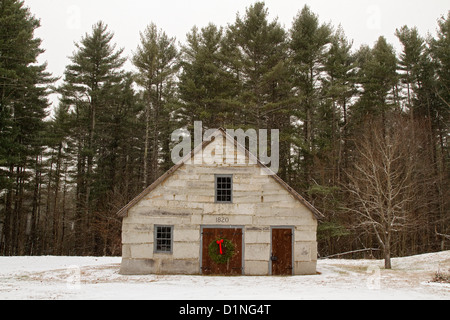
(221,250)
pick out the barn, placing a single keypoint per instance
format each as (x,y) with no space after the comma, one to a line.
(217,218)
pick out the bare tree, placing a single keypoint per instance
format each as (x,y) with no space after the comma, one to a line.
(383,190)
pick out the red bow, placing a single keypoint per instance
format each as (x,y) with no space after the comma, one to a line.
(219,242)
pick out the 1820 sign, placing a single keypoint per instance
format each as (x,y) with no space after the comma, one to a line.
(222,220)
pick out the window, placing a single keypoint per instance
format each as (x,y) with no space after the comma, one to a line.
(163,239)
(224,188)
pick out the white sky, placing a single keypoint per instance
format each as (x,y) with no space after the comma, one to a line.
(66,21)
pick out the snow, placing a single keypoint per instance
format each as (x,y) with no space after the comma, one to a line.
(98,278)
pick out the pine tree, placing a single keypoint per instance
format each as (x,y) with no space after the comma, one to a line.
(309,45)
(23,103)
(339,88)
(441,60)
(261,54)
(441,55)
(440,113)
(332,137)
(378,78)
(410,62)
(53,171)
(118,137)
(89,79)
(258,49)
(156,61)
(206,87)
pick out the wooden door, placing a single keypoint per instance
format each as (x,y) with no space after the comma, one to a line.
(282,252)
(234,265)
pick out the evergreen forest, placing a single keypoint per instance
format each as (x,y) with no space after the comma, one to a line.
(364,132)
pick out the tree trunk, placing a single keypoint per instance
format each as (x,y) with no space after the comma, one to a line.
(7,228)
(387,255)
(56,212)
(146,145)
(63,216)
(32,222)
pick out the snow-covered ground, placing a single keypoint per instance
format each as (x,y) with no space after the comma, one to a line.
(98,278)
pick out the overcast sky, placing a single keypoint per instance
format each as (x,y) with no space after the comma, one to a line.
(66,21)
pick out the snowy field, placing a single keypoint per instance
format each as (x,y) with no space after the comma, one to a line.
(98,278)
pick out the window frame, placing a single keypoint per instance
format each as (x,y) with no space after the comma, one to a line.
(216,177)
(155,237)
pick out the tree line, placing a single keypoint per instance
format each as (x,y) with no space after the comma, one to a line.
(364,132)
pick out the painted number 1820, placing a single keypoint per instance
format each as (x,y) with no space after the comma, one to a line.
(222,220)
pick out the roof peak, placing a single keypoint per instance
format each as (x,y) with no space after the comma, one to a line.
(206,142)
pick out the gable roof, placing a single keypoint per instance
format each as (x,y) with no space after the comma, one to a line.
(124,211)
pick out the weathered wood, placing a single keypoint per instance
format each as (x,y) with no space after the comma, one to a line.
(234,266)
(282,252)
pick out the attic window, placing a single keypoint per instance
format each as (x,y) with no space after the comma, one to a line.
(224,188)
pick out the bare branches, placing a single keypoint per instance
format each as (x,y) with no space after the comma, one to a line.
(383,184)
(446,236)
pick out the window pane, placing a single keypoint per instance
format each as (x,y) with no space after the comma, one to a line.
(224,189)
(163,239)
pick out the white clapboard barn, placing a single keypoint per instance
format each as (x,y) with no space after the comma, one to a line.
(213,217)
